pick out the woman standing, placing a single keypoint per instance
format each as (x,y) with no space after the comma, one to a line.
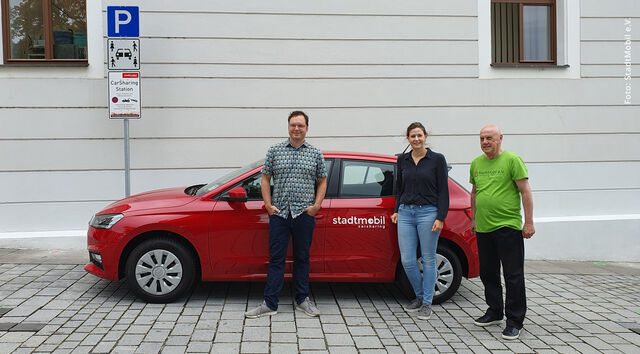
(422,203)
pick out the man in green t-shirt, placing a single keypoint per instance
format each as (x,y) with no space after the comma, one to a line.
(499,178)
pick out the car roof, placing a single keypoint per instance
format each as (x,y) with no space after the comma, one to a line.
(358,156)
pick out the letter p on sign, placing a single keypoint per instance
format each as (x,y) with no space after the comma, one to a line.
(123,21)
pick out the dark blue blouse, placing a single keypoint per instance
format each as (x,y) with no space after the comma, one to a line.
(425,183)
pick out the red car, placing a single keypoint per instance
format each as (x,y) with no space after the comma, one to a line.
(162,241)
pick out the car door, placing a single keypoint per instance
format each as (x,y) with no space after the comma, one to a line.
(360,240)
(240,236)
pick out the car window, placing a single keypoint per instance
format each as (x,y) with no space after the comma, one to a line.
(252,187)
(366,179)
(231,175)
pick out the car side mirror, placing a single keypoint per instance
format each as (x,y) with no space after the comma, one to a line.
(237,194)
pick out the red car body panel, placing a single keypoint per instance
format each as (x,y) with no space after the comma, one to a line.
(354,239)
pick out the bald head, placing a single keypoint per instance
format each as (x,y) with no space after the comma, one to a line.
(491,129)
(491,141)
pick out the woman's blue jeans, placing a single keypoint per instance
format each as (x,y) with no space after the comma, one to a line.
(414,227)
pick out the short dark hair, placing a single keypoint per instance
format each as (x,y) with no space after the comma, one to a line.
(299,113)
(415,125)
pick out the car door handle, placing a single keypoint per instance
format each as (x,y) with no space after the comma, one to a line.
(319,216)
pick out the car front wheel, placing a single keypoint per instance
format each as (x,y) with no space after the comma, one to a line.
(160,270)
(448,276)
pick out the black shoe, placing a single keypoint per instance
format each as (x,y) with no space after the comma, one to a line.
(487,320)
(511,333)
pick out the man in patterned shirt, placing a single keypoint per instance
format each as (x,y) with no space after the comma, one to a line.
(295,166)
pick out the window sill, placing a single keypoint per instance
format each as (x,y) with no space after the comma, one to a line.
(553,66)
(58,65)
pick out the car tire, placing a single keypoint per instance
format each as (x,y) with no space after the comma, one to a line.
(160,270)
(448,278)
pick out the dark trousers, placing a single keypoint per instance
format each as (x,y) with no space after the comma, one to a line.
(506,246)
(280,230)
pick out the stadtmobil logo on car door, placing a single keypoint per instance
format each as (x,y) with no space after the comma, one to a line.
(375,222)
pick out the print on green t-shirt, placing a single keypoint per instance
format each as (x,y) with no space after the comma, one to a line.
(497,194)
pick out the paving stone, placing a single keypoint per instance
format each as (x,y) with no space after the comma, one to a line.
(308,332)
(104,347)
(222,337)
(254,347)
(311,344)
(367,342)
(284,348)
(343,350)
(255,334)
(125,349)
(130,339)
(225,348)
(92,339)
(335,328)
(199,347)
(518,347)
(284,337)
(8,347)
(15,337)
(157,335)
(230,326)
(339,340)
(174,349)
(34,341)
(68,345)
(178,340)
(7,325)
(82,349)
(283,327)
(361,331)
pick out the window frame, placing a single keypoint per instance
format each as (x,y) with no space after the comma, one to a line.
(552,33)
(48,39)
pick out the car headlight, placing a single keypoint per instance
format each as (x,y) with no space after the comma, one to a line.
(105,221)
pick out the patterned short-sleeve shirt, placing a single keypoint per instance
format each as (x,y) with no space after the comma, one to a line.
(294,172)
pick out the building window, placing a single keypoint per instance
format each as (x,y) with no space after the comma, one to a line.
(523,32)
(44,31)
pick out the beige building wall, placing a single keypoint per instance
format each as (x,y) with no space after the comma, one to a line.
(219,78)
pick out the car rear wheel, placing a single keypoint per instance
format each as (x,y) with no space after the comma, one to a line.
(448,278)
(160,270)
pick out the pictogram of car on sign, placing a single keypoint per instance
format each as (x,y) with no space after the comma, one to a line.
(123,52)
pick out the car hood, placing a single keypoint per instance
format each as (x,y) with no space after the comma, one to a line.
(161,198)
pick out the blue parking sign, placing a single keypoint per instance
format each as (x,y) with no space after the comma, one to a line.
(123,21)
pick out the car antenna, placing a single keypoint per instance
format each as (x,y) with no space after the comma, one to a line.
(403,151)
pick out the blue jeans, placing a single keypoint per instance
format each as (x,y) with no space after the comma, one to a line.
(280,230)
(414,226)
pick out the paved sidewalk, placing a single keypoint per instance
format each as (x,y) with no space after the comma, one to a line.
(49,304)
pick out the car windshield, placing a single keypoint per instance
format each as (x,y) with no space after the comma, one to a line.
(229,176)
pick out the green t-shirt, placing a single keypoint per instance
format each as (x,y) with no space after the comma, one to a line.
(497,194)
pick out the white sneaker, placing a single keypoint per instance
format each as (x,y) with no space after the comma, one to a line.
(262,310)
(308,307)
